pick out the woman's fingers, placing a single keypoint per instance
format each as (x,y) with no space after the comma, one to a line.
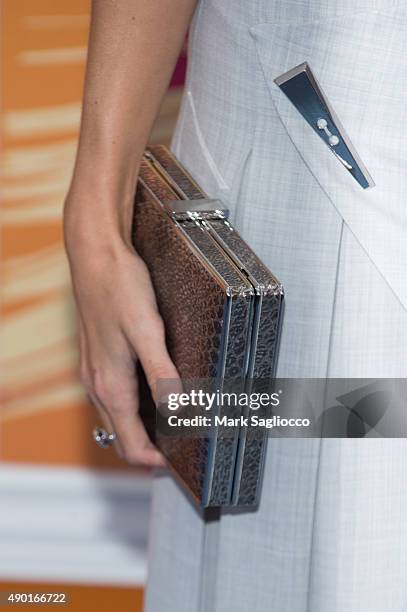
(119,324)
(115,394)
(135,443)
(132,442)
(106,421)
(103,414)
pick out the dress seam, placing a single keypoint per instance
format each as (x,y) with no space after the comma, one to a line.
(321,440)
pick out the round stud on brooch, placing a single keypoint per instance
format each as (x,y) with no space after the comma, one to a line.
(322,124)
(333,140)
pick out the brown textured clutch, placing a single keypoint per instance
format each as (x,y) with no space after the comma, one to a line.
(222,310)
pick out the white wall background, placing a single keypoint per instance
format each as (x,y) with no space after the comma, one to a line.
(73,525)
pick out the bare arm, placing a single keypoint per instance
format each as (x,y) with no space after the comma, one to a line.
(133,48)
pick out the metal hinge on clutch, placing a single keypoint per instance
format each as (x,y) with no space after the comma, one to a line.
(203,209)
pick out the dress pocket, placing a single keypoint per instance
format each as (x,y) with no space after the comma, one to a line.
(190,147)
(212,170)
(361,63)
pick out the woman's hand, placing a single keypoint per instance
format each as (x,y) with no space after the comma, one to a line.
(132,52)
(118,323)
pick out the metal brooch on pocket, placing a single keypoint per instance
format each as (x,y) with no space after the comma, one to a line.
(303,90)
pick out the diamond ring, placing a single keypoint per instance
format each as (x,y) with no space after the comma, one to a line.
(102,438)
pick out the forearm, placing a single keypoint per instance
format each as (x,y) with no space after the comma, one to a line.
(133,48)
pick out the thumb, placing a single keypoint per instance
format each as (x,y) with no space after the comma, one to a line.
(161,374)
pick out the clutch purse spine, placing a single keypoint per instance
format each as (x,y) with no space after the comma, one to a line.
(235,340)
(269,307)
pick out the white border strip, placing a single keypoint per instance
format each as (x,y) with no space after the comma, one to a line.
(73,525)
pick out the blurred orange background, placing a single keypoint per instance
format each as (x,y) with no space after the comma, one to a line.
(45,420)
(45,417)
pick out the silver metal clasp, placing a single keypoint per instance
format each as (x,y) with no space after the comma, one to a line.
(204,208)
(304,92)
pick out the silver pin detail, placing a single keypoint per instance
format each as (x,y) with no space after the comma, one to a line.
(322,124)
(303,90)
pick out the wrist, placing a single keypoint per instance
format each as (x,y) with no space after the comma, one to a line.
(99,205)
(90,223)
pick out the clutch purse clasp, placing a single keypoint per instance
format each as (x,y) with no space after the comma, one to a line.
(202,209)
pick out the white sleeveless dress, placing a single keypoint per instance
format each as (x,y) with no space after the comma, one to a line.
(330,534)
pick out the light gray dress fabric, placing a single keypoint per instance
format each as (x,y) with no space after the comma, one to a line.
(330,534)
